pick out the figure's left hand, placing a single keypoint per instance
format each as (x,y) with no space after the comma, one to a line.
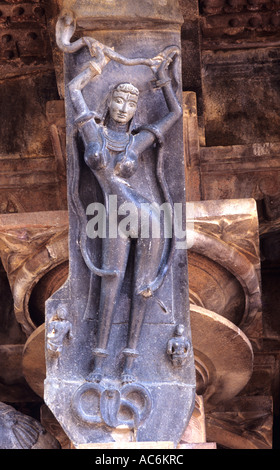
(163,70)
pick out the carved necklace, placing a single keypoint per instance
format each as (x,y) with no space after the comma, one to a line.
(116,136)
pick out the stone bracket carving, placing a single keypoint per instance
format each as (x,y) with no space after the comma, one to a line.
(31,245)
(121,291)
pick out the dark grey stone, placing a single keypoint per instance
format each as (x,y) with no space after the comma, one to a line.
(116,358)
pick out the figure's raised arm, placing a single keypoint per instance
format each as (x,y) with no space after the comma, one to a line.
(174,107)
(156,131)
(76,85)
(84,116)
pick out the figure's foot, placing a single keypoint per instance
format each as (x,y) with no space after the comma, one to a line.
(94,376)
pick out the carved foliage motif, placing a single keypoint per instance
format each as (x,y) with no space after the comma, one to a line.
(19,431)
(30,246)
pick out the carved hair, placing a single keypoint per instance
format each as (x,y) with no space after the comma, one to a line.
(179,330)
(127,88)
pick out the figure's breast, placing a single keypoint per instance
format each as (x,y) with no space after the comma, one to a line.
(122,161)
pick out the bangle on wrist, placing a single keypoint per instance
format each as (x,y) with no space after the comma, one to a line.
(161,83)
(95,67)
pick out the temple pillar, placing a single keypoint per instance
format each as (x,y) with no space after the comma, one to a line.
(106,377)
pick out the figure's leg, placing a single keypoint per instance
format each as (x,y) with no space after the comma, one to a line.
(115,256)
(147,259)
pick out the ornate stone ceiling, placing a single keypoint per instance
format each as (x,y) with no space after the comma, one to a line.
(235,22)
(24,37)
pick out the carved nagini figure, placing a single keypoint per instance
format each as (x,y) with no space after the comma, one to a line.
(110,368)
(112,152)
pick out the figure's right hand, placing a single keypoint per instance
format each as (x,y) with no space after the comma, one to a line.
(96,51)
(100,60)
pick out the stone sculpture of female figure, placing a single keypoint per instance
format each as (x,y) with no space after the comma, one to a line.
(112,153)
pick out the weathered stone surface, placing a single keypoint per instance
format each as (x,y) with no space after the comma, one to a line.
(193,138)
(191,50)
(30,178)
(239,23)
(29,94)
(10,331)
(25,41)
(10,363)
(55,112)
(118,16)
(240,66)
(239,74)
(19,188)
(231,171)
(240,171)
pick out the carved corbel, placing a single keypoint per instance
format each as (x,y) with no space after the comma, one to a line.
(32,245)
(224,262)
(221,372)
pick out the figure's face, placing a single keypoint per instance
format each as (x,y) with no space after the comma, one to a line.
(123,106)
(179,330)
